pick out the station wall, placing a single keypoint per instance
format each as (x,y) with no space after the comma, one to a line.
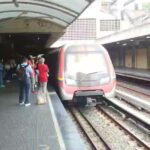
(141,59)
(128,59)
(131,57)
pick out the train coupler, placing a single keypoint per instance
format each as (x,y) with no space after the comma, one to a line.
(91,101)
(87,97)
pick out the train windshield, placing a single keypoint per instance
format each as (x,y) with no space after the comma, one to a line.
(86,65)
(86,62)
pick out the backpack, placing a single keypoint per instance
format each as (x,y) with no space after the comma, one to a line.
(22,76)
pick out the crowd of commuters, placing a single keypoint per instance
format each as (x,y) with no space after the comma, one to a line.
(7,70)
(36,73)
(32,74)
(1,74)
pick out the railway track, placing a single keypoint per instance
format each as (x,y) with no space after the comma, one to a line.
(134,95)
(126,131)
(104,132)
(94,138)
(143,91)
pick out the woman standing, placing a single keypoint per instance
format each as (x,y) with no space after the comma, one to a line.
(31,62)
(43,76)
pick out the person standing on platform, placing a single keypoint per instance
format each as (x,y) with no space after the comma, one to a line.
(43,76)
(7,72)
(25,75)
(1,74)
(31,62)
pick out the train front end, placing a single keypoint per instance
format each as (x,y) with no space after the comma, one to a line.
(86,71)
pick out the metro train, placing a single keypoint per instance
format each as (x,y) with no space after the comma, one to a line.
(82,68)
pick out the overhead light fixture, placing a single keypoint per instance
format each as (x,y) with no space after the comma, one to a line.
(148,37)
(117,43)
(131,40)
(124,44)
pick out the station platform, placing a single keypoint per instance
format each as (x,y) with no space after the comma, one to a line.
(36,127)
(142,74)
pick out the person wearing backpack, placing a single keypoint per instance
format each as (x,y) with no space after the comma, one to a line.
(25,75)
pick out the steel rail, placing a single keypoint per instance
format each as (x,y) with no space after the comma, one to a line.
(105,144)
(136,77)
(141,143)
(130,88)
(88,138)
(129,114)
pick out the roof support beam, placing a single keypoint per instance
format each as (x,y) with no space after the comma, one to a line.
(16,3)
(128,2)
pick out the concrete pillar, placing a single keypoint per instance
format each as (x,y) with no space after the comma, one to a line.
(148,57)
(122,57)
(133,49)
(112,54)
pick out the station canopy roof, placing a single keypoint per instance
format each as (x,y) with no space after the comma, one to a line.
(60,12)
(35,24)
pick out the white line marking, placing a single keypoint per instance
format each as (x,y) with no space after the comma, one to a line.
(52,93)
(58,132)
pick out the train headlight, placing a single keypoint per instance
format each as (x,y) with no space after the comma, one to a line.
(104,80)
(71,82)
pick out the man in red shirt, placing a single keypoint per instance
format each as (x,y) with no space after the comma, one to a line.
(43,75)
